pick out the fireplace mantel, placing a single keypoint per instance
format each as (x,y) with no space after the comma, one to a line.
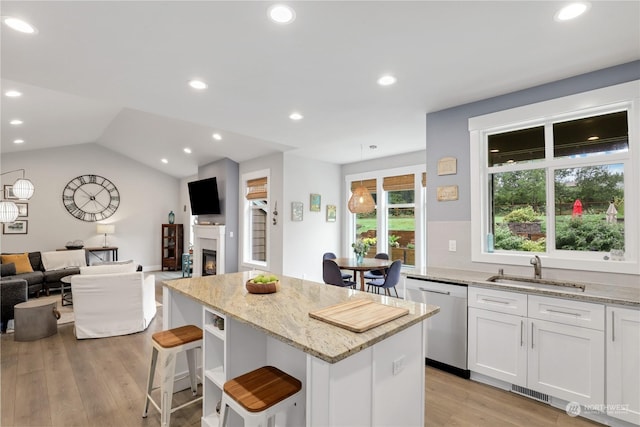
(208,237)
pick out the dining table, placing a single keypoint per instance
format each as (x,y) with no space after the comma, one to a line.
(367,264)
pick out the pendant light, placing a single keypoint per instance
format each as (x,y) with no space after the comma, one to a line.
(361,200)
(22,189)
(8,212)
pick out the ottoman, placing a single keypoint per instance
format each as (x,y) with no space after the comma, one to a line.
(35,319)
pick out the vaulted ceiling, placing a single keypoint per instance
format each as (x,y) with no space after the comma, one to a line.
(116,73)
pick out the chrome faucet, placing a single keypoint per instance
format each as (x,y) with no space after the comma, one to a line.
(537,267)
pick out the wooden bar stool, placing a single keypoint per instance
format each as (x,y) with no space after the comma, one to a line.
(259,395)
(167,344)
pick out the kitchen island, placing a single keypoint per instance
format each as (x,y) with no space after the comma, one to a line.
(349,379)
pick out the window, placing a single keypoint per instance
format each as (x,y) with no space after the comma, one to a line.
(399,216)
(367,223)
(255,226)
(552,182)
(401,220)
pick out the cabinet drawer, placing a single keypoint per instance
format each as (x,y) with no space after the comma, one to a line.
(578,313)
(500,301)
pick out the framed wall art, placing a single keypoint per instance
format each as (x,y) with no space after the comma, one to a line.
(8,192)
(23,209)
(331,213)
(296,211)
(16,227)
(314,203)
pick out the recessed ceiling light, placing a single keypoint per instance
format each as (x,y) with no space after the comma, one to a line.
(572,11)
(13,93)
(164,161)
(495,150)
(387,80)
(19,25)
(187,150)
(197,84)
(16,122)
(593,138)
(296,116)
(282,14)
(216,136)
(18,141)
(511,161)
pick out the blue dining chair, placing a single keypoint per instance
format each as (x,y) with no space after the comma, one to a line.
(377,274)
(331,255)
(332,276)
(390,281)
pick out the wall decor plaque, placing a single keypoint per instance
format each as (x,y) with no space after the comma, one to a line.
(447,166)
(447,193)
(296,211)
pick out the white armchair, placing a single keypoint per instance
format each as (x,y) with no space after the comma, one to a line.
(108,303)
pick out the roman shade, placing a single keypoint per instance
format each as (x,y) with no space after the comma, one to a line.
(399,182)
(257,188)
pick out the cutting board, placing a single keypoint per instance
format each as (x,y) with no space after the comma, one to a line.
(358,315)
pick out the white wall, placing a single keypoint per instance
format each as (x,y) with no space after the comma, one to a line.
(305,241)
(146,194)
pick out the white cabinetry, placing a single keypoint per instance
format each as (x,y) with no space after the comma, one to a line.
(623,366)
(214,364)
(497,335)
(548,345)
(565,360)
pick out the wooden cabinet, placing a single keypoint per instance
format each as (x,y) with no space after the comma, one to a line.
(549,345)
(623,369)
(172,241)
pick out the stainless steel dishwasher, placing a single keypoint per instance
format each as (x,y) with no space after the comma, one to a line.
(446,332)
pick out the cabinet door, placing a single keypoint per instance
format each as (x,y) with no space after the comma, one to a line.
(566,361)
(623,366)
(497,345)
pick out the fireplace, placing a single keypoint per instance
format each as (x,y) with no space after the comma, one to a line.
(210,239)
(209,262)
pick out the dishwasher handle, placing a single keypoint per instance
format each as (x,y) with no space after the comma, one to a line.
(433,291)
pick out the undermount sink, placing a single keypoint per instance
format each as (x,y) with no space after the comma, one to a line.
(537,283)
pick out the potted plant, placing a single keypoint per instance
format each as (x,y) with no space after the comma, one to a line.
(360,248)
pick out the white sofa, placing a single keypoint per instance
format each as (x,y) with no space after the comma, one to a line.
(110,300)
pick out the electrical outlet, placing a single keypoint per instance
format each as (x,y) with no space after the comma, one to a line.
(231,234)
(452,245)
(398,365)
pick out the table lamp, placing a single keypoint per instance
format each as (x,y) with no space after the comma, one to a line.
(106,229)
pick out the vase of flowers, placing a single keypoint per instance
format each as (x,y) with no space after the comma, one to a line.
(359,249)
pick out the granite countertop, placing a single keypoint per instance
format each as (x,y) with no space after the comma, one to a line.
(593,292)
(284,315)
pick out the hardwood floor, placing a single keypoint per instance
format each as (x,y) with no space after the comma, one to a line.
(61,381)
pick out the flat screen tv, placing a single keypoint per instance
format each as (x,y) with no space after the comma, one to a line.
(203,195)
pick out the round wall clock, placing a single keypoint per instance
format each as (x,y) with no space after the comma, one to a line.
(91,198)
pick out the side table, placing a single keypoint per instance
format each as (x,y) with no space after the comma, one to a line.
(67,297)
(187,264)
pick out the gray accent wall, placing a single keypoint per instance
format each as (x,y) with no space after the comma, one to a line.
(226,172)
(448,135)
(448,132)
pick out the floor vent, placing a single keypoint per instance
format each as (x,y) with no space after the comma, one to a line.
(541,397)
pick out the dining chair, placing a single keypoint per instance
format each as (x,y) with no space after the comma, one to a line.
(331,255)
(390,281)
(332,276)
(377,274)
